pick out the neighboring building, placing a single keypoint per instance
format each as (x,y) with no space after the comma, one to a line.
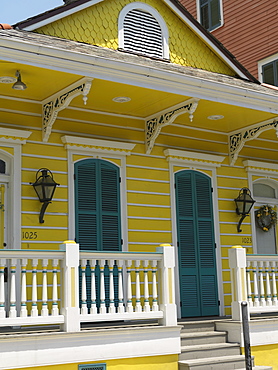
(246,29)
(151,128)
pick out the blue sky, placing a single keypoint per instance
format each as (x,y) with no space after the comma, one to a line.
(13,11)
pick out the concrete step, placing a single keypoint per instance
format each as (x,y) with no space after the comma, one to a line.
(214,363)
(194,326)
(209,350)
(189,339)
(259,368)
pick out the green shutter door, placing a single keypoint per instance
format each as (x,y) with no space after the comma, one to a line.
(97,205)
(197,265)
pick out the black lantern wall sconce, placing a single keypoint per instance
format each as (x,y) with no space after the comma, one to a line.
(244,203)
(45,187)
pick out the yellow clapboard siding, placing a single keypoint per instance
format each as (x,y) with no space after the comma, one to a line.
(53,164)
(32,220)
(143,248)
(149,237)
(235,239)
(142,211)
(227,288)
(148,186)
(149,224)
(148,199)
(147,173)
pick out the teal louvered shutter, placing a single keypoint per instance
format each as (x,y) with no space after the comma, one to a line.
(198,281)
(97,205)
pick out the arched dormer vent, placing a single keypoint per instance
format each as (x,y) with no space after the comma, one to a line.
(143,31)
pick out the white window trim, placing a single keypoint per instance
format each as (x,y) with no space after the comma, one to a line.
(100,149)
(198,7)
(149,9)
(11,138)
(268,173)
(264,61)
(198,162)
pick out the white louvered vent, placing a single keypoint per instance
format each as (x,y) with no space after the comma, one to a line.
(142,34)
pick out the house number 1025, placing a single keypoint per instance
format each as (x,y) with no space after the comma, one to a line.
(29,235)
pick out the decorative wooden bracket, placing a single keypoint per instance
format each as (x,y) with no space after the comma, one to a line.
(59,101)
(164,118)
(238,139)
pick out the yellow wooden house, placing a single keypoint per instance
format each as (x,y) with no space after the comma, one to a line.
(145,129)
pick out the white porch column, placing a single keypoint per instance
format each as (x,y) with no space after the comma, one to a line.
(167,288)
(70,289)
(237,263)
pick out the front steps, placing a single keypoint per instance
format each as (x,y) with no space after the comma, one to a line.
(203,348)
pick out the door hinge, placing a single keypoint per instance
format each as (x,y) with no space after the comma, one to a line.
(218,303)
(215,245)
(181,303)
(120,179)
(212,190)
(122,241)
(74,177)
(178,244)
(175,185)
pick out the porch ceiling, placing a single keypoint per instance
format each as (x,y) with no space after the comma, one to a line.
(144,102)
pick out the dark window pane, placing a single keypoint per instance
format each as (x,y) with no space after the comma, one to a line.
(205,17)
(268,74)
(2,166)
(215,13)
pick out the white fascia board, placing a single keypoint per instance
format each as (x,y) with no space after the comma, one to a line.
(205,39)
(193,155)
(61,15)
(15,133)
(133,74)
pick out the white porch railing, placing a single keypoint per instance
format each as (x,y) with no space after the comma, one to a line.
(254,279)
(69,287)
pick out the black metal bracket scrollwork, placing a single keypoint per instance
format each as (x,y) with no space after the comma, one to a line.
(155,123)
(59,101)
(238,139)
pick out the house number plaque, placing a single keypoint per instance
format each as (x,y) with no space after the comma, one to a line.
(29,235)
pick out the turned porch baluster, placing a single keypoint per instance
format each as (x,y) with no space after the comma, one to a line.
(273,281)
(102,308)
(23,308)
(138,306)
(267,282)
(262,290)
(154,286)
(129,288)
(146,287)
(249,290)
(55,310)
(34,311)
(83,288)
(121,308)
(93,309)
(111,288)
(44,311)
(256,290)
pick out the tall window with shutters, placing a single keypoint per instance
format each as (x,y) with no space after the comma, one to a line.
(97,205)
(143,31)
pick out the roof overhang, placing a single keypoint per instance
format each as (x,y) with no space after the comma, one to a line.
(95,62)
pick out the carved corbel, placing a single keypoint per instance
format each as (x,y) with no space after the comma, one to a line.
(156,122)
(59,101)
(238,139)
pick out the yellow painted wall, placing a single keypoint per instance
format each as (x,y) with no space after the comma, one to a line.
(98,25)
(146,363)
(266,355)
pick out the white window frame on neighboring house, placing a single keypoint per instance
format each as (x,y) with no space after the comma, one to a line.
(149,9)
(198,6)
(264,62)
(11,138)
(100,149)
